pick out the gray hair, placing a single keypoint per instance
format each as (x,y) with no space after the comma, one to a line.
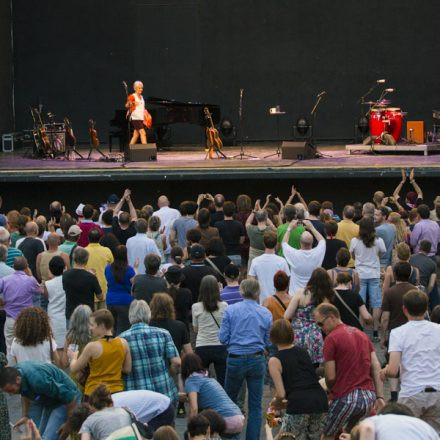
(368,209)
(79,326)
(3,253)
(138,83)
(80,256)
(4,235)
(139,312)
(250,289)
(261,216)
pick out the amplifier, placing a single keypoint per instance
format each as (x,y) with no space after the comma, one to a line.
(142,152)
(296,150)
(415,131)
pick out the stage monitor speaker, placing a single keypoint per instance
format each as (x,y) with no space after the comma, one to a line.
(142,152)
(418,129)
(296,150)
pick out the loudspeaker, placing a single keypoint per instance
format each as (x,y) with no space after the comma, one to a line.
(418,130)
(142,152)
(296,150)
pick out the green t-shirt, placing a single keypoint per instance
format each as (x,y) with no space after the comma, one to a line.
(295,235)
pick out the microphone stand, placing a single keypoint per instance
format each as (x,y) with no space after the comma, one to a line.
(127,143)
(312,143)
(242,154)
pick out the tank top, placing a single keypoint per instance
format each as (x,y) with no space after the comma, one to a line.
(45,258)
(276,308)
(107,368)
(303,393)
(138,113)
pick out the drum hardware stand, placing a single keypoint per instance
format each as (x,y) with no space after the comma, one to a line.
(275,111)
(242,154)
(92,147)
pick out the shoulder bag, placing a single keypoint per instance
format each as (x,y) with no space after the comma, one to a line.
(348,308)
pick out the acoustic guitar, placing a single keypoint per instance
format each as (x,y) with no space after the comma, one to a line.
(213,141)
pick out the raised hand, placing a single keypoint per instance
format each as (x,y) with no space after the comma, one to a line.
(403,175)
(412,175)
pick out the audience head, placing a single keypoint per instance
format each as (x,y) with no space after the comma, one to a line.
(79,326)
(198,426)
(124,219)
(80,256)
(289,213)
(261,216)
(402,271)
(425,246)
(343,257)
(165,433)
(231,272)
(306,240)
(281,332)
(368,210)
(163,201)
(53,240)
(176,255)
(209,293)
(423,211)
(79,416)
(320,285)
(281,281)
(190,207)
(10,380)
(331,228)
(270,239)
(415,303)
(396,408)
(57,266)
(250,289)
(314,208)
(31,229)
(217,423)
(141,226)
(244,203)
(197,253)
(216,247)
(204,218)
(152,264)
(193,236)
(5,236)
(229,209)
(219,200)
(101,322)
(73,233)
(32,327)
(162,306)
(139,311)
(348,212)
(344,278)
(191,363)
(380,214)
(327,317)
(367,232)
(101,397)
(88,212)
(403,252)
(3,253)
(435,314)
(20,263)
(107,217)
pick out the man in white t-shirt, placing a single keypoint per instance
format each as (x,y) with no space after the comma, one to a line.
(264,267)
(167,217)
(303,261)
(414,350)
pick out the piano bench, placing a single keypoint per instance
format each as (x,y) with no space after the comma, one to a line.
(119,136)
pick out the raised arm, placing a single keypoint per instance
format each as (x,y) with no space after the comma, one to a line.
(292,225)
(412,181)
(309,225)
(396,193)
(267,201)
(121,203)
(378,384)
(132,209)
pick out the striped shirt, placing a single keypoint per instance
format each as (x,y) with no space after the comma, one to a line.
(151,349)
(12,254)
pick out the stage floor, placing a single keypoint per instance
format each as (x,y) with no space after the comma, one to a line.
(188,162)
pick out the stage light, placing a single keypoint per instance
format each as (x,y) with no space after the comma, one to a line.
(363,125)
(302,125)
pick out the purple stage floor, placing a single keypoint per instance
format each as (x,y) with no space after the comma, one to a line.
(335,160)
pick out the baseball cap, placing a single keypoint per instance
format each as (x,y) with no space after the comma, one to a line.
(79,209)
(174,274)
(112,198)
(197,251)
(74,230)
(3,220)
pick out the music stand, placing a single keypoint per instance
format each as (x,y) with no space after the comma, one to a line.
(275,111)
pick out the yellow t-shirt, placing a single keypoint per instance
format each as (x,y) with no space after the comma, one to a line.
(99,257)
(347,230)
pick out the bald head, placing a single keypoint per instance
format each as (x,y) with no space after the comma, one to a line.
(31,229)
(378,196)
(306,240)
(53,240)
(163,201)
(219,200)
(4,236)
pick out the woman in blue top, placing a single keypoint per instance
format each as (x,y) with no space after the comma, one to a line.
(119,276)
(204,392)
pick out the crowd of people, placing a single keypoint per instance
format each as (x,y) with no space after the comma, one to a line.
(114,323)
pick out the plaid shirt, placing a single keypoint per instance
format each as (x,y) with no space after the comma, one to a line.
(151,348)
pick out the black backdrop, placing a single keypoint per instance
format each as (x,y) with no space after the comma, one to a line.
(72,56)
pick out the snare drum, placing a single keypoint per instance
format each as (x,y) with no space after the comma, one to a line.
(393,120)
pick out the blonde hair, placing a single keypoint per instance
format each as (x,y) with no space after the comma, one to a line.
(396,219)
(403,252)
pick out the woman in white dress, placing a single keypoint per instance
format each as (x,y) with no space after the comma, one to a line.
(57,300)
(33,339)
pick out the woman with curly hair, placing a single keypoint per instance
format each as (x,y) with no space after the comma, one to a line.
(33,339)
(308,335)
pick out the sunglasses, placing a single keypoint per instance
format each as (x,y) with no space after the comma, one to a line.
(321,323)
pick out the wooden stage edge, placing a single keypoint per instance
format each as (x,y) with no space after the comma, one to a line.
(398,148)
(187,163)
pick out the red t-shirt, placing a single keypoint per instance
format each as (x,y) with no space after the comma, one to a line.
(351,349)
(85,228)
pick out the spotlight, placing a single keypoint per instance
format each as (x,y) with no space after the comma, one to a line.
(363,125)
(302,125)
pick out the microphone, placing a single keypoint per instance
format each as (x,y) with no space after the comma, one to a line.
(321,94)
(381,81)
(389,90)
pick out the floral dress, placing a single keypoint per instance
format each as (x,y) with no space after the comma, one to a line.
(307,334)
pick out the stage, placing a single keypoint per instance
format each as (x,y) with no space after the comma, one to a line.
(188,163)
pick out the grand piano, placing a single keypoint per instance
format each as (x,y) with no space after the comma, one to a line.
(164,113)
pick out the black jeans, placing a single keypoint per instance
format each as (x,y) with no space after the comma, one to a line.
(120,315)
(215,354)
(2,332)
(164,418)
